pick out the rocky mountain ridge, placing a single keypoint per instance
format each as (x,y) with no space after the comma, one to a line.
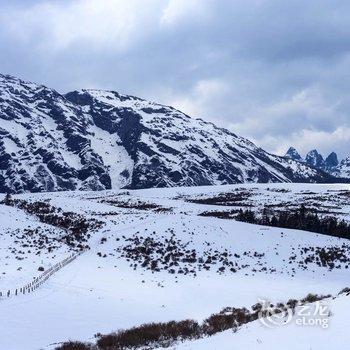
(330,164)
(96,140)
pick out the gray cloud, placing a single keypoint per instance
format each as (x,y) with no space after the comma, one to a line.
(274,71)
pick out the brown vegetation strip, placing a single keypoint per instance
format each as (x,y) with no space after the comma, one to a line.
(153,335)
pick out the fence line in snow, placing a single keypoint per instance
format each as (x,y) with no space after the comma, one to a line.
(40,280)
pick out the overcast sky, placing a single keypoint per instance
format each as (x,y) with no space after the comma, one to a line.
(277,72)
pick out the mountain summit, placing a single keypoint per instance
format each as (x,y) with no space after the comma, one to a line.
(315,159)
(331,161)
(292,153)
(330,164)
(95,140)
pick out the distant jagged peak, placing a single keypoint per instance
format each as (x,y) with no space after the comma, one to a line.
(292,153)
(314,158)
(332,160)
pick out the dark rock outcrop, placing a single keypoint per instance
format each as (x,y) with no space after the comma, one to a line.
(94,140)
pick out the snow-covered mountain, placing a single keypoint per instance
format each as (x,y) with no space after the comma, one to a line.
(330,164)
(331,161)
(157,258)
(292,153)
(343,169)
(315,159)
(96,140)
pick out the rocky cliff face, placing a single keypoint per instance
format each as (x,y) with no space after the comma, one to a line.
(94,140)
(315,159)
(331,161)
(331,164)
(292,153)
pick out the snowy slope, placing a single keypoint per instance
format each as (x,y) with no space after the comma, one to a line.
(108,287)
(256,336)
(344,168)
(24,243)
(95,140)
(171,149)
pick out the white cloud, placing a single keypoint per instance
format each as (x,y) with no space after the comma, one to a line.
(305,140)
(61,25)
(304,109)
(180,10)
(196,102)
(271,71)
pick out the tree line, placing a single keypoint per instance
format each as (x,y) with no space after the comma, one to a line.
(300,219)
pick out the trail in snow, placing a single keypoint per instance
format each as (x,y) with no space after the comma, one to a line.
(102,294)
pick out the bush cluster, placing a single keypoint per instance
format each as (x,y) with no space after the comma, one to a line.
(151,335)
(77,226)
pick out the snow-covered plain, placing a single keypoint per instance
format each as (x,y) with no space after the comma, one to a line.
(102,290)
(290,336)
